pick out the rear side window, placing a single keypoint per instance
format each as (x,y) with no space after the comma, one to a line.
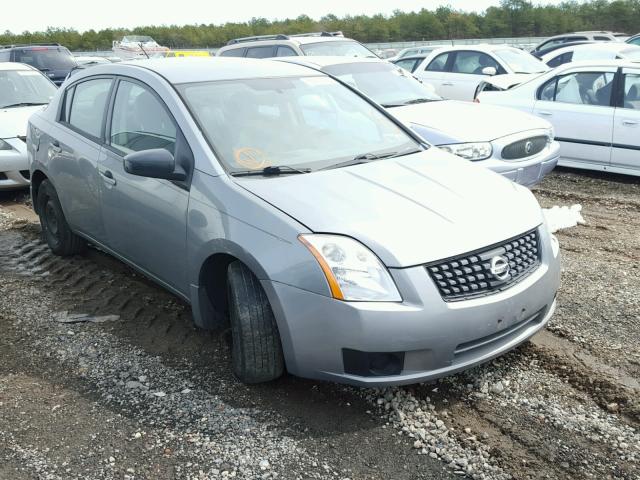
(234,52)
(473,63)
(88,106)
(284,51)
(560,59)
(140,121)
(438,64)
(260,52)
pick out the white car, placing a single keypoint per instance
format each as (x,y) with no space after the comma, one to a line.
(23,91)
(456,72)
(592,51)
(518,146)
(594,108)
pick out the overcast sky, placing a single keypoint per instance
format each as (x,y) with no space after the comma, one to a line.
(84,15)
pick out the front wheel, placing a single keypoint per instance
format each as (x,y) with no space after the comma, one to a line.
(256,348)
(55,229)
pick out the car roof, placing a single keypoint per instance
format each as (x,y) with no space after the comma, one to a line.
(326,61)
(597,63)
(606,46)
(15,66)
(204,69)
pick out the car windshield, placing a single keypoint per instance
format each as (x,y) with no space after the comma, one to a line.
(24,87)
(46,58)
(520,61)
(343,48)
(298,122)
(387,84)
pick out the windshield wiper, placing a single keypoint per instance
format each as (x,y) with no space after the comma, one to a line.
(371,157)
(419,100)
(23,104)
(270,171)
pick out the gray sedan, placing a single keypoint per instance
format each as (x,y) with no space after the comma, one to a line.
(272,198)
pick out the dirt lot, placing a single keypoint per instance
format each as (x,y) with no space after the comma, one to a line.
(140,393)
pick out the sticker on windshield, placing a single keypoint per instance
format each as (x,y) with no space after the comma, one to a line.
(251,158)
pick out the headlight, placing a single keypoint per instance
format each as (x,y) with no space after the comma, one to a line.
(352,270)
(4,145)
(470,151)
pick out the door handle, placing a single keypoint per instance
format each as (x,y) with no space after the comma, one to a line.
(545,113)
(107,176)
(55,146)
(629,122)
(447,84)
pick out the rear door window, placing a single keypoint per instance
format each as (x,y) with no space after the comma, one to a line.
(234,52)
(632,91)
(260,52)
(582,88)
(439,63)
(284,51)
(88,106)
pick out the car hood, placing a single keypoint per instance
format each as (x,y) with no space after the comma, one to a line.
(13,121)
(409,210)
(451,121)
(510,80)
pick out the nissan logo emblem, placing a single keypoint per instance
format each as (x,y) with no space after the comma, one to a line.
(499,267)
(528,146)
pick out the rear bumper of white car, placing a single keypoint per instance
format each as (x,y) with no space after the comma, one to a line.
(14,165)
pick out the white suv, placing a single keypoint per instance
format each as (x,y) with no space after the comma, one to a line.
(321,43)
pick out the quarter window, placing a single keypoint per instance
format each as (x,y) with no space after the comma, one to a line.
(473,63)
(140,121)
(438,64)
(88,106)
(234,52)
(560,59)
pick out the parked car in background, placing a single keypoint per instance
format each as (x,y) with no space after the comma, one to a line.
(303,209)
(517,145)
(594,108)
(634,40)
(23,91)
(456,72)
(414,51)
(595,51)
(557,46)
(410,63)
(268,46)
(52,59)
(593,36)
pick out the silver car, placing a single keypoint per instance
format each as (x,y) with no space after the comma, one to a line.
(273,198)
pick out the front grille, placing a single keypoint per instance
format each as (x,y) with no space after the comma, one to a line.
(524,148)
(469,276)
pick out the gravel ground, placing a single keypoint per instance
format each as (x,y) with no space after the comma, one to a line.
(140,393)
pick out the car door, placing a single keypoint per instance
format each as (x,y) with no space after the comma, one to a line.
(626,124)
(464,74)
(578,104)
(74,150)
(432,70)
(144,218)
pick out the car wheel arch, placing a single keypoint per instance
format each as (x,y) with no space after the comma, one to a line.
(37,177)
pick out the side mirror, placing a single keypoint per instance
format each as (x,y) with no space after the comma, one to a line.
(154,163)
(491,71)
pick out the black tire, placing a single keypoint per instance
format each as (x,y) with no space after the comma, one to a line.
(256,350)
(55,229)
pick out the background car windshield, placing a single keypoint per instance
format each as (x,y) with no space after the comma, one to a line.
(520,61)
(387,84)
(346,48)
(46,58)
(24,86)
(302,122)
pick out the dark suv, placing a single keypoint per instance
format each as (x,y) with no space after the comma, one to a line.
(52,59)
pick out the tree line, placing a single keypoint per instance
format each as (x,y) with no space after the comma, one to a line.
(512,18)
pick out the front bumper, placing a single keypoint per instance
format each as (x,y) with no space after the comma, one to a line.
(14,165)
(436,338)
(529,171)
